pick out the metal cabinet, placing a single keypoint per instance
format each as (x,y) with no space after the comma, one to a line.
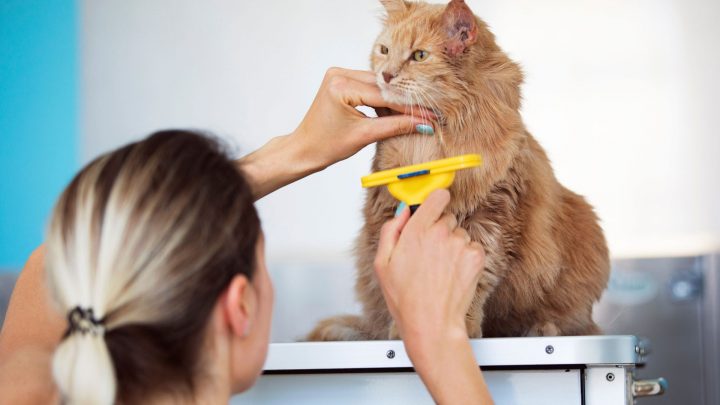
(590,370)
(674,304)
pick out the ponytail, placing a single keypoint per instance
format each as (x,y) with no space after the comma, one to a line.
(81,366)
(83,370)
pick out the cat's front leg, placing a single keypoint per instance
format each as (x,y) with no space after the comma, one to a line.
(393,333)
(486,285)
(475,316)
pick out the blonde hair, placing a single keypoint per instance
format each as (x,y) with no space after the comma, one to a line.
(141,244)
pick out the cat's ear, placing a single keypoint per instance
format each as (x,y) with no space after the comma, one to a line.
(394,6)
(460,27)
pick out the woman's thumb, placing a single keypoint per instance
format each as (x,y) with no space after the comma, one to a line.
(389,235)
(386,127)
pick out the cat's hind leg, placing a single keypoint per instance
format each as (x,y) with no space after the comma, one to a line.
(544,329)
(567,327)
(587,328)
(344,327)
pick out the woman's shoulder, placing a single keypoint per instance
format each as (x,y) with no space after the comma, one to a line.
(31,320)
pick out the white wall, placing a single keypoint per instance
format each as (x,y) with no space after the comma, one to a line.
(622,94)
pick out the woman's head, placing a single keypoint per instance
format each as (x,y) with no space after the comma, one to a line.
(147,245)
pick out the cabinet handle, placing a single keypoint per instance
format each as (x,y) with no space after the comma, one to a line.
(649,388)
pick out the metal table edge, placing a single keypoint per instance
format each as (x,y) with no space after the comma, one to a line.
(523,352)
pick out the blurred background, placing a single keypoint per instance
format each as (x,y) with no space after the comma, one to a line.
(623,95)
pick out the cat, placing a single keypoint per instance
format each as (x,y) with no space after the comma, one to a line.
(547,261)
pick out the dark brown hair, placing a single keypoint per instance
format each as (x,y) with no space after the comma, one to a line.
(169,221)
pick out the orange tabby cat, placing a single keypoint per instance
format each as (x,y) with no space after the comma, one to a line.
(547,260)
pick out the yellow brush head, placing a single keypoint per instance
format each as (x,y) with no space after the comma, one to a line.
(412,184)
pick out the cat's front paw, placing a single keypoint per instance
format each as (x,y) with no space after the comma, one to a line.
(393,333)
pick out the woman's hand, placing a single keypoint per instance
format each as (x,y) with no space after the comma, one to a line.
(332,130)
(428,270)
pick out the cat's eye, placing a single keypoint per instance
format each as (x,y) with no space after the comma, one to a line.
(383,49)
(419,55)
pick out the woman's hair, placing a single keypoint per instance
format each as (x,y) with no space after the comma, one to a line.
(141,245)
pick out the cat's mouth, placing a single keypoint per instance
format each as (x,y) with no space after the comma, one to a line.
(436,118)
(401,97)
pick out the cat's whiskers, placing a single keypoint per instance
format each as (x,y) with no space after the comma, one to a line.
(402,88)
(422,149)
(414,102)
(430,103)
(415,95)
(423,102)
(408,97)
(427,103)
(456,117)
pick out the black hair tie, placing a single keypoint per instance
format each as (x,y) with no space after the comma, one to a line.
(83,320)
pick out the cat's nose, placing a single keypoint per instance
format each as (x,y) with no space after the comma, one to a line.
(388,76)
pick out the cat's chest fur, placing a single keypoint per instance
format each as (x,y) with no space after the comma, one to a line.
(407,150)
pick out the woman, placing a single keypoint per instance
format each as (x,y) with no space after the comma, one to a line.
(155,261)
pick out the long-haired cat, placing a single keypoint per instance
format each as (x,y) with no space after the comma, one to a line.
(546,257)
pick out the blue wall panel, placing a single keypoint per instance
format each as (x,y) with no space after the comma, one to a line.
(38,118)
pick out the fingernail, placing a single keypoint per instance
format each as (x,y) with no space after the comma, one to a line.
(425,129)
(400,208)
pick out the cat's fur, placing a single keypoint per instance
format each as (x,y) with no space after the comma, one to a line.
(546,257)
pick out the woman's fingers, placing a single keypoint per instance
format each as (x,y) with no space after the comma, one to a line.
(360,93)
(356,93)
(450,221)
(414,110)
(430,210)
(462,234)
(479,255)
(359,75)
(377,129)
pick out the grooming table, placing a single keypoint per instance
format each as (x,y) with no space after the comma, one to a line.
(589,370)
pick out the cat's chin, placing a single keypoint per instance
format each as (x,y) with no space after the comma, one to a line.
(393,96)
